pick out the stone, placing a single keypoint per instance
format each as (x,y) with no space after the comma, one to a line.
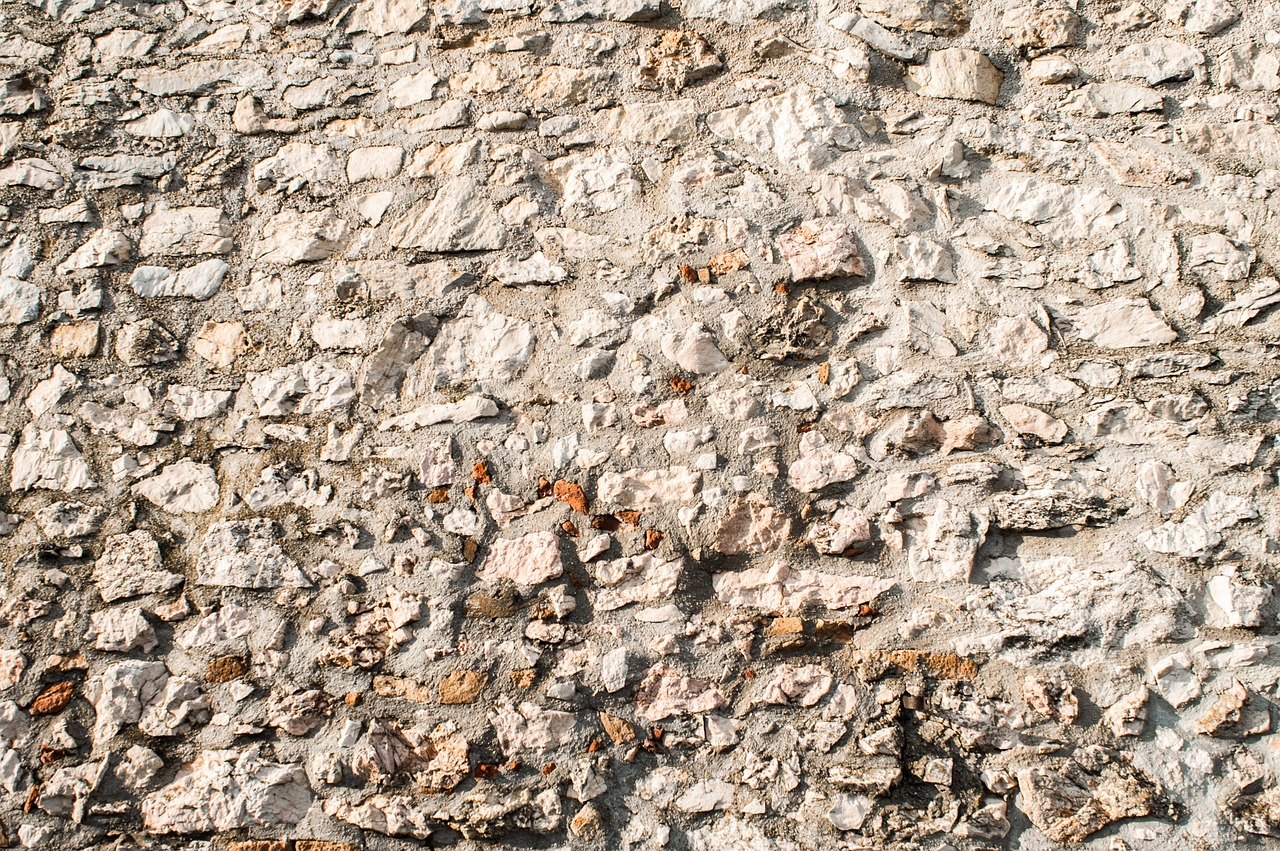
(1025,419)
(186,230)
(376,163)
(121,631)
(936,17)
(752,525)
(184,487)
(819,249)
(956,73)
(49,459)
(1099,100)
(528,560)
(145,343)
(694,349)
(1123,324)
(246,554)
(1161,60)
(220,343)
(665,692)
(783,590)
(130,566)
(1250,69)
(1069,805)
(309,387)
(480,344)
(672,121)
(642,489)
(819,466)
(801,128)
(645,578)
(948,545)
(679,59)
(198,282)
(1030,28)
(458,218)
(292,237)
(229,790)
(534,269)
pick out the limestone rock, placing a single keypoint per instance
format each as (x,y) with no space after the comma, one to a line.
(130,566)
(293,237)
(246,554)
(752,526)
(458,218)
(819,249)
(801,128)
(956,73)
(783,590)
(50,460)
(229,790)
(186,230)
(184,487)
(528,560)
(1123,324)
(199,282)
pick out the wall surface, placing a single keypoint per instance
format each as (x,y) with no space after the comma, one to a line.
(726,425)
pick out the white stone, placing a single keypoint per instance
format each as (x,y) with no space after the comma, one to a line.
(49,460)
(130,566)
(645,489)
(644,578)
(819,465)
(121,631)
(534,269)
(224,790)
(162,124)
(958,73)
(199,282)
(246,554)
(309,387)
(186,230)
(1125,323)
(184,487)
(671,121)
(531,728)
(380,163)
(294,237)
(528,560)
(694,349)
(802,128)
(458,218)
(783,590)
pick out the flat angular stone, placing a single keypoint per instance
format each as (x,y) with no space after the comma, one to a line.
(186,230)
(801,128)
(292,237)
(49,459)
(528,560)
(458,218)
(229,790)
(956,73)
(1123,324)
(819,249)
(246,554)
(184,487)
(130,566)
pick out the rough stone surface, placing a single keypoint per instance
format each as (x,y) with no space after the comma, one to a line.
(639,424)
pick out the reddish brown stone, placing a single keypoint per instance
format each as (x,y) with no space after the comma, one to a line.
(53,699)
(461,687)
(618,729)
(571,493)
(226,668)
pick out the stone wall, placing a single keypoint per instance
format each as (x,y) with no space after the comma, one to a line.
(637,424)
